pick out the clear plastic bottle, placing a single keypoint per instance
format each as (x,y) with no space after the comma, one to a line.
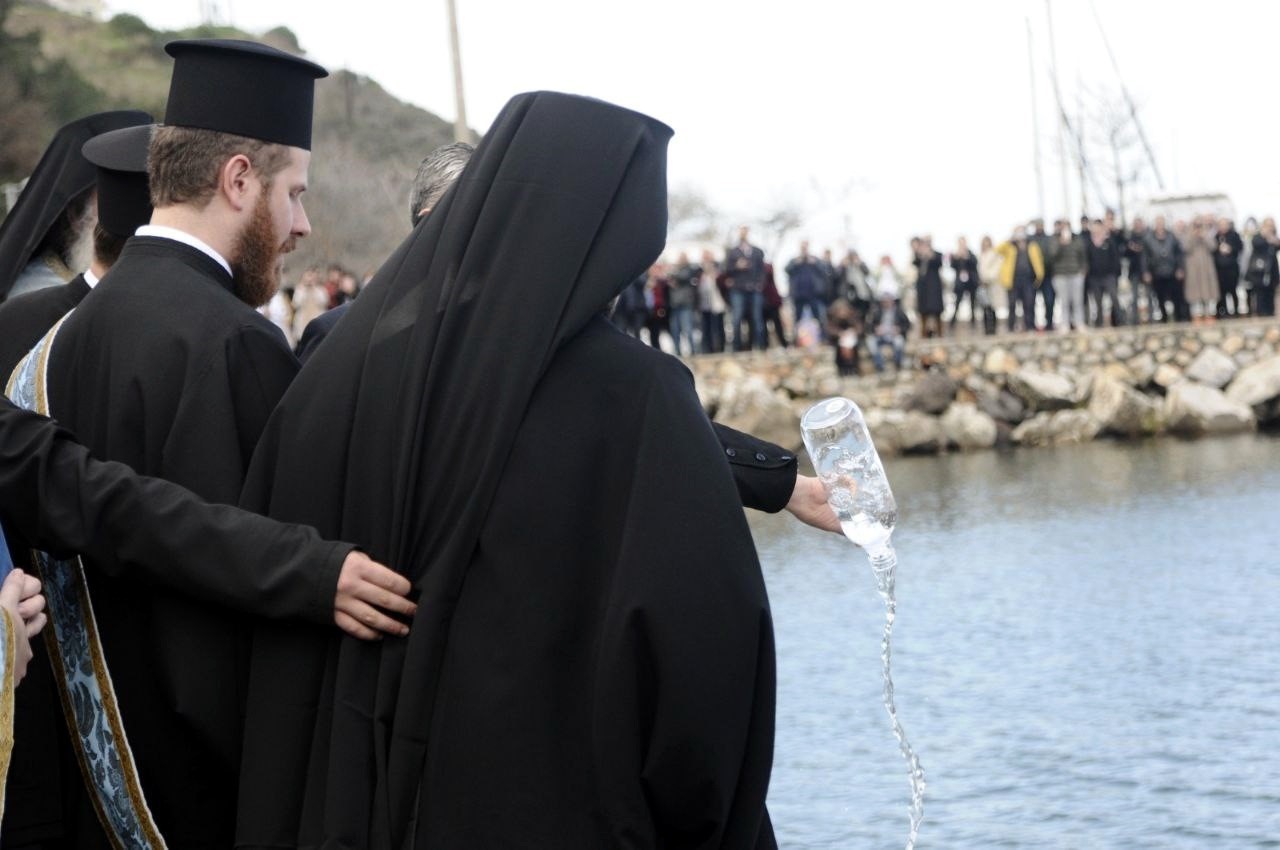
(846,461)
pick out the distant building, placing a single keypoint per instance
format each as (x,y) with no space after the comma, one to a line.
(1186,207)
(84,8)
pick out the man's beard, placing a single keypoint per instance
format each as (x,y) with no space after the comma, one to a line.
(255,273)
(79,253)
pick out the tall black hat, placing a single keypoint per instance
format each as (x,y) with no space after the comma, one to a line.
(62,175)
(124,193)
(244,88)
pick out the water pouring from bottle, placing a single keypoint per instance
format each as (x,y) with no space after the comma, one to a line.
(847,463)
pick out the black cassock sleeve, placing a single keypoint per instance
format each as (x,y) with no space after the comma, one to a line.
(61,500)
(765,473)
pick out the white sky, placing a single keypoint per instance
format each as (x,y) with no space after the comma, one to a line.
(879,119)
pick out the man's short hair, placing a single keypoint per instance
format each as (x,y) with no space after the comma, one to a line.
(107,245)
(184,162)
(435,175)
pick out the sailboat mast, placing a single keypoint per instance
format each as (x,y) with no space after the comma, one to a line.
(1062,124)
(1035,121)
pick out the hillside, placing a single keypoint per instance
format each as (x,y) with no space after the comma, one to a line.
(55,67)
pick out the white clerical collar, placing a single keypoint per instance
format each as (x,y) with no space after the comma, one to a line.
(90,278)
(185,238)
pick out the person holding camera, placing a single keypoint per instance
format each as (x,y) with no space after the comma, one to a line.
(1069,264)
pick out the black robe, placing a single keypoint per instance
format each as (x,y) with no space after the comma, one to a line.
(54,495)
(162,368)
(591,664)
(26,319)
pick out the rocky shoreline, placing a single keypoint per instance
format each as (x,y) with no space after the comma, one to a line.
(1024,390)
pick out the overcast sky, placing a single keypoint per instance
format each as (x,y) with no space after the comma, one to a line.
(879,120)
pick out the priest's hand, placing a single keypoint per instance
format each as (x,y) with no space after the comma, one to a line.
(30,605)
(808,504)
(19,595)
(366,592)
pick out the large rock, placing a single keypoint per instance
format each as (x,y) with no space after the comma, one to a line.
(1166,376)
(1212,368)
(1192,408)
(885,427)
(1256,384)
(1058,428)
(1143,368)
(1043,390)
(966,427)
(899,431)
(731,370)
(921,433)
(1002,405)
(933,393)
(752,406)
(708,394)
(1121,410)
(999,362)
(798,385)
(1118,371)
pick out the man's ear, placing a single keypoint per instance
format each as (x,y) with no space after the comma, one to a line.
(236,182)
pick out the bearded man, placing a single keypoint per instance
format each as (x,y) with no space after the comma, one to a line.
(166,366)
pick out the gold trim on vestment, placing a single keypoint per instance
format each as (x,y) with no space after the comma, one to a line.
(97,659)
(8,682)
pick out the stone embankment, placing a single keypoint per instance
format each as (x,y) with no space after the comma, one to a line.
(1029,390)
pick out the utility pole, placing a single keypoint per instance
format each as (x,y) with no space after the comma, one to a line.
(1062,123)
(1115,158)
(1035,123)
(1084,187)
(460,131)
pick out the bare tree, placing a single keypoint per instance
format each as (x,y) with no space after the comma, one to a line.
(691,215)
(1123,163)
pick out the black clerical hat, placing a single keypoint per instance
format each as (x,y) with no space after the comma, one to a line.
(62,175)
(244,88)
(124,193)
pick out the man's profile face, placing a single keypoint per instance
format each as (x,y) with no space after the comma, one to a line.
(277,223)
(284,199)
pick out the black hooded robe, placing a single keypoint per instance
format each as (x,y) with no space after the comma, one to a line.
(591,665)
(61,176)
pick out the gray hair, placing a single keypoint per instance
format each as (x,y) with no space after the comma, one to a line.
(435,175)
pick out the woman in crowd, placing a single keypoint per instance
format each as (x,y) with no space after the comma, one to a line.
(1262,270)
(844,327)
(309,300)
(965,266)
(929,304)
(989,262)
(1202,278)
(711,305)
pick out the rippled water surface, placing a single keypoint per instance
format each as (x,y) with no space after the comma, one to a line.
(1087,654)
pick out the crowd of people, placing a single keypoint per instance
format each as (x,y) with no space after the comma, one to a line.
(1099,274)
(316,291)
